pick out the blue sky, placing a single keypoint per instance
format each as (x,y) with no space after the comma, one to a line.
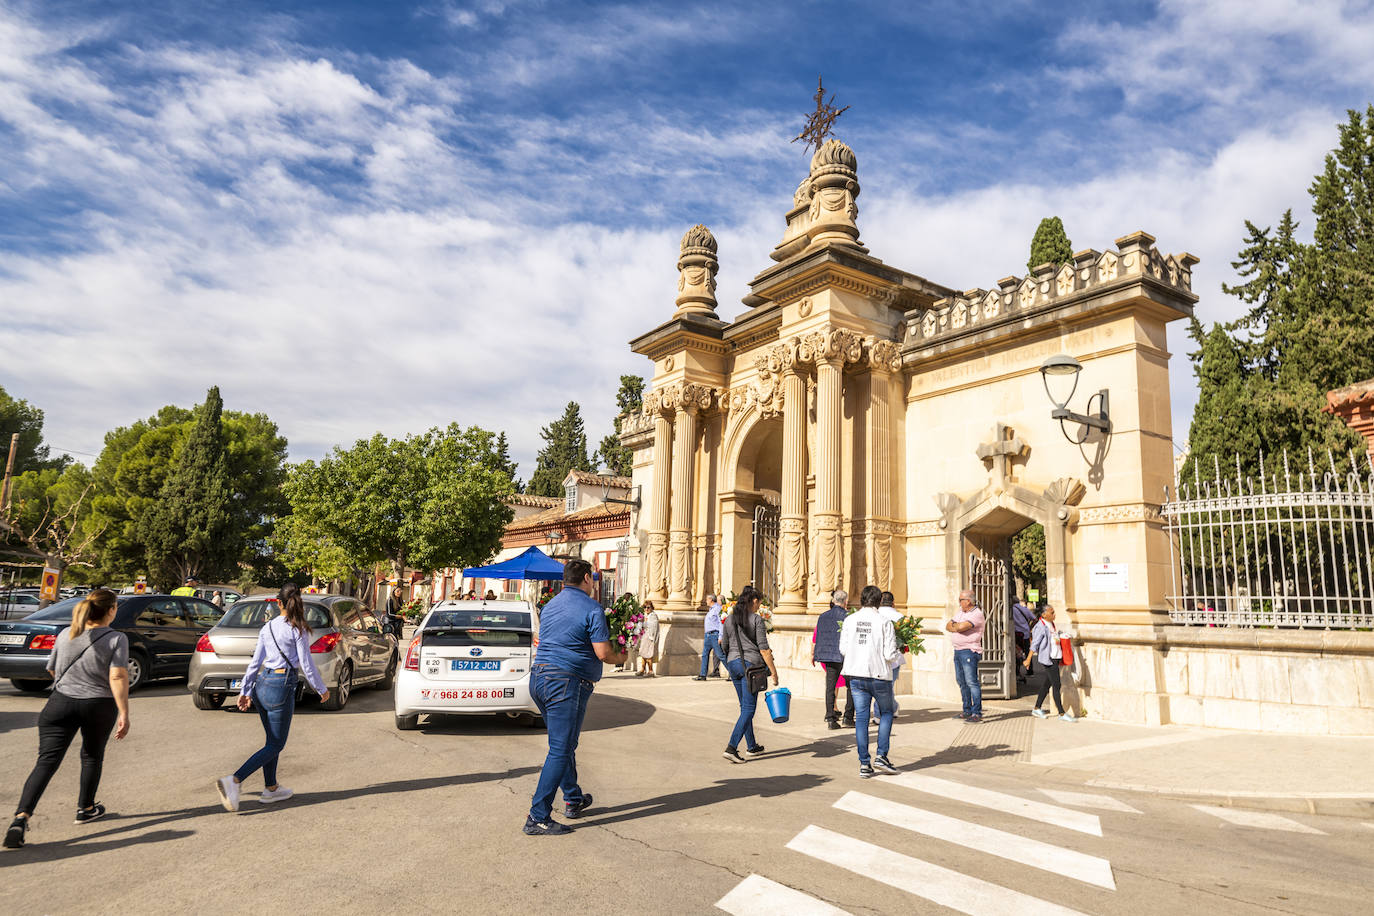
(360,216)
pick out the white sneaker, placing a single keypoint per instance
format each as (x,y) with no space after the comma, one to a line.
(228,793)
(1069,717)
(1040,714)
(280,793)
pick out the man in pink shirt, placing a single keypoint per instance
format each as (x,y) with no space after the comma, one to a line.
(966,636)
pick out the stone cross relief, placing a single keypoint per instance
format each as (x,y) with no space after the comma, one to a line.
(1004,449)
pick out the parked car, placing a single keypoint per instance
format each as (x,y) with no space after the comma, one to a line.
(350,647)
(162,632)
(17,605)
(230,593)
(469,658)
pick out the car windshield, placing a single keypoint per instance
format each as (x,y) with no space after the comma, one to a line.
(251,615)
(468,620)
(62,610)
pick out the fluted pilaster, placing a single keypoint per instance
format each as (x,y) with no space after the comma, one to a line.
(792,523)
(657,566)
(829,407)
(680,536)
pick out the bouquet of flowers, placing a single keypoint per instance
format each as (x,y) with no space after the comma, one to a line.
(909,634)
(544,599)
(625,620)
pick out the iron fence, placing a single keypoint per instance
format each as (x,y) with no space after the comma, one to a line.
(1285,548)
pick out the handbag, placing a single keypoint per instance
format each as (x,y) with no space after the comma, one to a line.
(1065,651)
(755,676)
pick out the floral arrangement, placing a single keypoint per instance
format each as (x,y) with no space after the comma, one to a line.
(908,632)
(727,607)
(544,599)
(625,620)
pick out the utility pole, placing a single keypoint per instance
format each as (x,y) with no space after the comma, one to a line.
(9,475)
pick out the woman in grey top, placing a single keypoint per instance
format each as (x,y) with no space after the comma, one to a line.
(90,668)
(744,645)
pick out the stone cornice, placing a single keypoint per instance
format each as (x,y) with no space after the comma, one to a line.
(845,268)
(689,332)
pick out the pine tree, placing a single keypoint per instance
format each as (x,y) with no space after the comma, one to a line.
(191,531)
(1050,245)
(504,462)
(565,449)
(616,457)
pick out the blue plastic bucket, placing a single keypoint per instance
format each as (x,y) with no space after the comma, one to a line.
(779,701)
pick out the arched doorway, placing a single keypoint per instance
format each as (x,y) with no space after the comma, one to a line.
(749,508)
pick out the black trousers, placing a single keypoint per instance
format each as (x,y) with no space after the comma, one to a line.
(832,677)
(58,724)
(1051,680)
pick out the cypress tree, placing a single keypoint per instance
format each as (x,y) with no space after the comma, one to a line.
(1050,245)
(191,532)
(616,457)
(565,449)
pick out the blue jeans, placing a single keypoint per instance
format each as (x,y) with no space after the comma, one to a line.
(562,699)
(869,690)
(712,644)
(748,703)
(275,697)
(966,673)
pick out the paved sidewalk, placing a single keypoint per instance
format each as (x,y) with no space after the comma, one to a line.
(1315,774)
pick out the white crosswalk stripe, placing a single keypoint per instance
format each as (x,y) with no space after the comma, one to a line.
(959,892)
(757,896)
(1262,820)
(1054,859)
(1089,800)
(998,801)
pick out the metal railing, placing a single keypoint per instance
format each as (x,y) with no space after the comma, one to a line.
(1284,548)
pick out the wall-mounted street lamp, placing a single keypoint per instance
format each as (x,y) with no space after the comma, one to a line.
(1064,372)
(606,497)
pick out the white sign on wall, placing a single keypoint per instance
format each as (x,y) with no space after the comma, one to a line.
(1109,577)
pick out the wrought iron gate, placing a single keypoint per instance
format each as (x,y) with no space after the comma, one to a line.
(765,568)
(991,582)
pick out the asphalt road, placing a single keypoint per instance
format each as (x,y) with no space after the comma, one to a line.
(429,821)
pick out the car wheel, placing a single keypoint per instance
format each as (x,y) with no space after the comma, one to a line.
(338,697)
(138,669)
(207,700)
(407,723)
(389,679)
(30,686)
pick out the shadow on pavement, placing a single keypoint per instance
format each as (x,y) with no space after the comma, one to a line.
(121,824)
(962,753)
(603,712)
(14,721)
(724,790)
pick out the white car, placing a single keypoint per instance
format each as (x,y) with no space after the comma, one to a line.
(469,658)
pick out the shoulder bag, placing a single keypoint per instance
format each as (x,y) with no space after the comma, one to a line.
(755,676)
(73,662)
(283,655)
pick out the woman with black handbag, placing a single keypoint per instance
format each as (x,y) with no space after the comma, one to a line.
(744,645)
(90,668)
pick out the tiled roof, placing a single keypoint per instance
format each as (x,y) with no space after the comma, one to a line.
(538,502)
(1349,396)
(558,516)
(600,480)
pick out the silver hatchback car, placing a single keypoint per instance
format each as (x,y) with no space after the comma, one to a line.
(351,648)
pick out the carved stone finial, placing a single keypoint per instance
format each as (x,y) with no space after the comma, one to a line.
(697,266)
(834,188)
(834,155)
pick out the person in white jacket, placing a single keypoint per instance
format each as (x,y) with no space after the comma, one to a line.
(868,643)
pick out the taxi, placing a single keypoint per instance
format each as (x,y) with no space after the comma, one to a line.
(469,658)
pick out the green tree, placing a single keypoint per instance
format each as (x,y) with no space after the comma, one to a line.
(565,449)
(1028,556)
(302,547)
(1050,245)
(426,502)
(48,518)
(19,416)
(191,530)
(503,459)
(616,457)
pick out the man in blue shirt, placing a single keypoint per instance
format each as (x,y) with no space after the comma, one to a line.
(712,641)
(574,643)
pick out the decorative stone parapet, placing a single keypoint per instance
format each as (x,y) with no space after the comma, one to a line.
(1091,273)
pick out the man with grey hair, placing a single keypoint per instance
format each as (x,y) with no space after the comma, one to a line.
(966,637)
(825,648)
(711,643)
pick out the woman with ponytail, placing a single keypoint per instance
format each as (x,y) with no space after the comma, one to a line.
(90,668)
(744,646)
(282,652)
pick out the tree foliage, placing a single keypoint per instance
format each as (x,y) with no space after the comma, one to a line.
(19,416)
(1050,245)
(1028,556)
(616,457)
(1309,328)
(427,502)
(565,449)
(48,517)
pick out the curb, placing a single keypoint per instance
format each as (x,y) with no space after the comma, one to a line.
(1324,804)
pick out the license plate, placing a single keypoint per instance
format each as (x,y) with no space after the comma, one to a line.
(236,683)
(467,664)
(459,693)
(12,639)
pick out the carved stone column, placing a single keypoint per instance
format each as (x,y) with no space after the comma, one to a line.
(829,408)
(792,521)
(691,399)
(656,577)
(882,362)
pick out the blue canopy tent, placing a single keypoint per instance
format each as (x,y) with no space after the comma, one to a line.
(532,564)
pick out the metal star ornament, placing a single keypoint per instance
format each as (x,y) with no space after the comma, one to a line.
(821,123)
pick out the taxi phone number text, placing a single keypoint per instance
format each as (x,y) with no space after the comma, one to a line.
(505,694)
